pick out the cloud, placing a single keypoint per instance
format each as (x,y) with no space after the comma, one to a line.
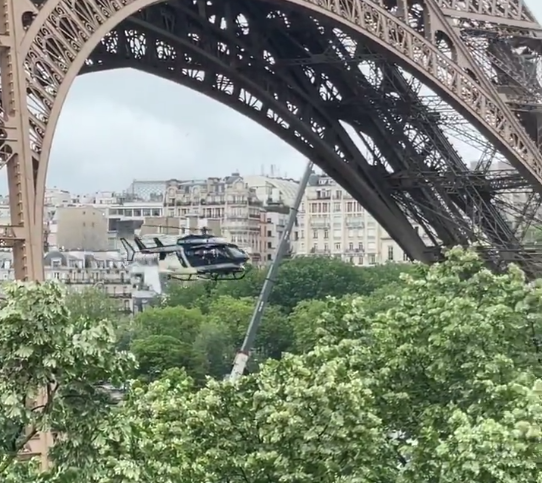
(123,125)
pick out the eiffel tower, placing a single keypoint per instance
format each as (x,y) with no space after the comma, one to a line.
(426,111)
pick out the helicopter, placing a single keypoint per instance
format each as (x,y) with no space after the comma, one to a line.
(194,257)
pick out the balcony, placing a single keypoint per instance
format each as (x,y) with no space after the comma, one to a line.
(94,281)
(354,251)
(120,295)
(320,251)
(360,225)
(319,223)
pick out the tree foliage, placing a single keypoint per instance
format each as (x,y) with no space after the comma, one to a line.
(455,363)
(443,380)
(92,304)
(54,366)
(208,340)
(299,279)
(432,378)
(156,354)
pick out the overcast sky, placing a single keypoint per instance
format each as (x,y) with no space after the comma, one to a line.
(123,125)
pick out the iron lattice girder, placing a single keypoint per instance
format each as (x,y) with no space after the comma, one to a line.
(346,82)
(432,208)
(380,26)
(447,214)
(309,91)
(513,16)
(502,11)
(57,42)
(492,182)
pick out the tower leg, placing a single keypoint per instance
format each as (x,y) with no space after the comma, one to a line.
(15,151)
(23,236)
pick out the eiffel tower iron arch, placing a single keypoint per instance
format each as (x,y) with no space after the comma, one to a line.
(65,38)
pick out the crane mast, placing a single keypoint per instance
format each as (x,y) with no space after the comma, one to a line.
(243,355)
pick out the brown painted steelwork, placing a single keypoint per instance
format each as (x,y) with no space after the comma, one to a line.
(290,65)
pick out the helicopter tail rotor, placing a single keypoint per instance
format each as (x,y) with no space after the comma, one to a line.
(130,251)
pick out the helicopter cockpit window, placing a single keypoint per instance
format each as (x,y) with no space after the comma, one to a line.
(193,257)
(236,253)
(202,256)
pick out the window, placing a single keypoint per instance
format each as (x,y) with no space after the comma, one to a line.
(326,234)
(406,258)
(351,246)
(337,247)
(315,234)
(372,259)
(269,233)
(390,253)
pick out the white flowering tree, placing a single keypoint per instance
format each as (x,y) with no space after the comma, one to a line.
(440,386)
(443,385)
(456,365)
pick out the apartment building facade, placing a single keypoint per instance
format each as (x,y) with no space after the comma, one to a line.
(80,270)
(229,203)
(78,228)
(332,223)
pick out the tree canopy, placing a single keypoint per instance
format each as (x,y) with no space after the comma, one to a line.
(299,279)
(435,377)
(54,366)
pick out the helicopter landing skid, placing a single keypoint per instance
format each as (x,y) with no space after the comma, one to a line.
(214,277)
(184,278)
(217,277)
